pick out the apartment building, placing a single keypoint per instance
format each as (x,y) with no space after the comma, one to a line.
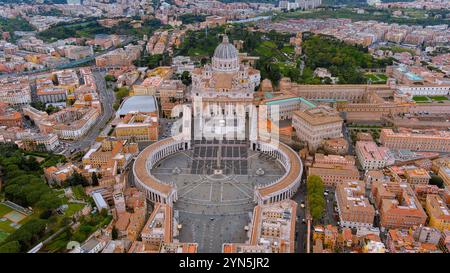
(137,127)
(109,153)
(67,78)
(372,157)
(337,146)
(398,205)
(438,212)
(129,222)
(416,140)
(272,230)
(334,159)
(119,57)
(332,174)
(417,176)
(354,208)
(444,173)
(51,94)
(401,241)
(59,174)
(426,234)
(78,52)
(316,124)
(170,93)
(40,142)
(285,106)
(9,117)
(158,228)
(15,90)
(75,129)
(179,248)
(375,176)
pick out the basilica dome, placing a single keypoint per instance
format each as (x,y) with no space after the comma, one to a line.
(225,50)
(226,58)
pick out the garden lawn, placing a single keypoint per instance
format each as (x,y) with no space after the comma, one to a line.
(421,98)
(376,78)
(72,209)
(439,98)
(5,227)
(3,235)
(78,193)
(382,77)
(4,210)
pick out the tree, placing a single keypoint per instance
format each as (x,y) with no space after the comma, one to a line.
(94,179)
(186,78)
(273,73)
(114,233)
(45,214)
(110,78)
(77,179)
(30,164)
(10,247)
(49,201)
(316,201)
(327,80)
(28,234)
(437,180)
(51,109)
(294,74)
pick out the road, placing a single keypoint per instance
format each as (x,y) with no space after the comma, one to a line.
(347,136)
(329,218)
(107,99)
(300,227)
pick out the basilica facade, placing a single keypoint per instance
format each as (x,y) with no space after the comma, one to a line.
(225,82)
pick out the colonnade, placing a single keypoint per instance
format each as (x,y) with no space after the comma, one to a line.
(286,161)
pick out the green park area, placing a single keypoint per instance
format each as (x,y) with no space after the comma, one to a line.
(23,184)
(276,55)
(376,78)
(423,99)
(121,93)
(15,24)
(439,98)
(411,16)
(88,224)
(3,235)
(10,221)
(72,209)
(46,159)
(88,28)
(277,58)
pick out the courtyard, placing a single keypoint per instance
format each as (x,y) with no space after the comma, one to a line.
(216,205)
(10,220)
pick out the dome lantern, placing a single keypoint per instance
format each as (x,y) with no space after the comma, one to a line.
(226,58)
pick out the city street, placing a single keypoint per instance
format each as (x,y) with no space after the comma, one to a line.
(329,218)
(107,98)
(301,214)
(348,138)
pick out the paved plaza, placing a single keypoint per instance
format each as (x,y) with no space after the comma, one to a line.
(217,206)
